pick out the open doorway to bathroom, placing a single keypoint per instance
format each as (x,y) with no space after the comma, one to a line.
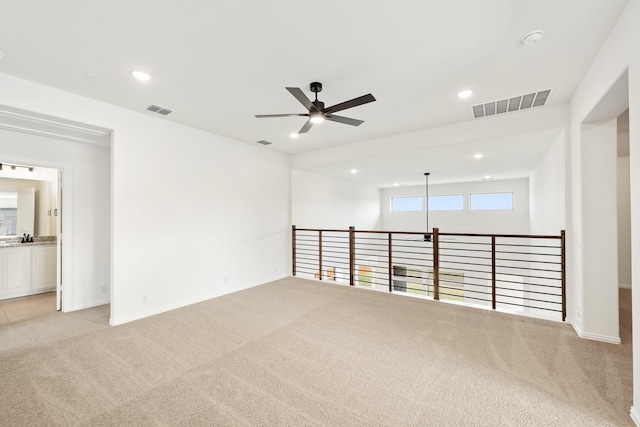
(624,225)
(29,229)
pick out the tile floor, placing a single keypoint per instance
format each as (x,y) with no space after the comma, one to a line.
(15,309)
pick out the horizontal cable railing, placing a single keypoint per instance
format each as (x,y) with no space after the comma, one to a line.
(521,273)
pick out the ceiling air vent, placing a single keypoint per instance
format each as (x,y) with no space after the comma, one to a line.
(263,142)
(516,103)
(158,109)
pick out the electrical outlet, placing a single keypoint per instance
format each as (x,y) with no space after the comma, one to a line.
(103,289)
(145,299)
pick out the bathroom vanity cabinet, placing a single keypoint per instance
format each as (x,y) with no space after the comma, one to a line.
(27,270)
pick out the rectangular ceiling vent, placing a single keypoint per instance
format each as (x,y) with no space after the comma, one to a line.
(263,142)
(158,109)
(516,103)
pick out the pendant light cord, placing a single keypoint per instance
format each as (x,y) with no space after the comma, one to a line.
(427,237)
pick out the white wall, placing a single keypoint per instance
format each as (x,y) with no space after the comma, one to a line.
(515,221)
(321,202)
(599,303)
(618,55)
(547,191)
(624,223)
(86,249)
(193,215)
(207,216)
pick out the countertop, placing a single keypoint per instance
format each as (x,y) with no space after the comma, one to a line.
(15,242)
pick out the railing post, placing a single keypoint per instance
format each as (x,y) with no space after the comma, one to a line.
(390,263)
(293,249)
(436,264)
(320,254)
(493,272)
(352,255)
(563,275)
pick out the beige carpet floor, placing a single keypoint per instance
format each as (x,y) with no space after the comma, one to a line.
(296,352)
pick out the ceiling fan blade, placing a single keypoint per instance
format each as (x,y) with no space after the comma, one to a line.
(345,120)
(300,96)
(262,116)
(364,99)
(306,127)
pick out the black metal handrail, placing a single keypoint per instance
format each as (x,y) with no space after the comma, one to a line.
(498,270)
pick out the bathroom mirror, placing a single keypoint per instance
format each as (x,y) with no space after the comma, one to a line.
(8,212)
(28,199)
(17,212)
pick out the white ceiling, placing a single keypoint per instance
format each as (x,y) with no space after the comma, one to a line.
(509,157)
(216,64)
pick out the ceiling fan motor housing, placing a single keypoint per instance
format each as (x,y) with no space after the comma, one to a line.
(316,87)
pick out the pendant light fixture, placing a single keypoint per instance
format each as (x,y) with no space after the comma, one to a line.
(427,236)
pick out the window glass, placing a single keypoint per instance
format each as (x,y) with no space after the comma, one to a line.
(446,203)
(491,201)
(406,204)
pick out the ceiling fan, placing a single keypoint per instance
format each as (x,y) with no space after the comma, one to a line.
(317,113)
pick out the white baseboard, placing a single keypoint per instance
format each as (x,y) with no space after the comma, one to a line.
(23,293)
(596,337)
(84,306)
(157,310)
(183,303)
(635,415)
(624,286)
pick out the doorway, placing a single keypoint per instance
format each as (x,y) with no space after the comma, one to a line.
(81,154)
(624,225)
(30,283)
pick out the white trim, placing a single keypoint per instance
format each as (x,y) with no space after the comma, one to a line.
(113,321)
(65,239)
(624,286)
(186,302)
(17,120)
(91,304)
(635,415)
(596,337)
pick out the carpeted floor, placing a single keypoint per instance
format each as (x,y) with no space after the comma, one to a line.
(296,352)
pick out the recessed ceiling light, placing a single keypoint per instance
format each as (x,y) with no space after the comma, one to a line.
(140,75)
(478,156)
(294,135)
(532,37)
(396,184)
(486,178)
(463,94)
(354,171)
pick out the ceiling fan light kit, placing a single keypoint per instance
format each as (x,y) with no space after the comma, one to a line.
(316,118)
(317,113)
